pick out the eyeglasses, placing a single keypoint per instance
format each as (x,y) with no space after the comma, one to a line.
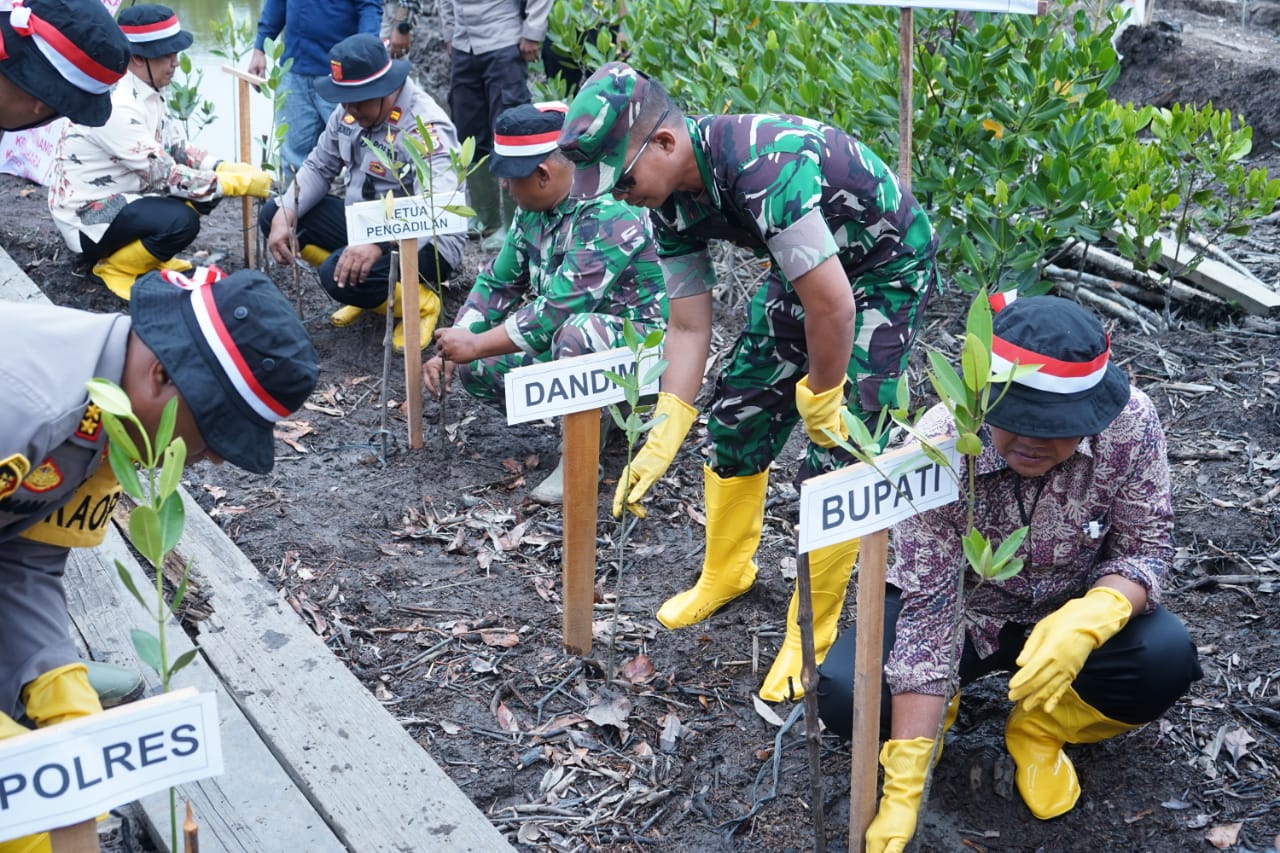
(626,182)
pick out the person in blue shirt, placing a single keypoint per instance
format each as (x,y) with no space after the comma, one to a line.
(310,29)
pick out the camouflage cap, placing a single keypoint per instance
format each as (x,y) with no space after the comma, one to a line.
(598,126)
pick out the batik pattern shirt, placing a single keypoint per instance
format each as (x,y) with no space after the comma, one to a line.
(1106,510)
(593,256)
(797,191)
(139,151)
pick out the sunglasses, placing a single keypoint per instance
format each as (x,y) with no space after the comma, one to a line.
(626,181)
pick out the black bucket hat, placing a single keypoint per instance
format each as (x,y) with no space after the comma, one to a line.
(523,136)
(237,352)
(361,69)
(153,30)
(67,53)
(1076,392)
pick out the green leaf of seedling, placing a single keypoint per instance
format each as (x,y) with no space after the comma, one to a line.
(655,372)
(969,444)
(146,534)
(1017,371)
(109,397)
(172,518)
(946,382)
(127,580)
(468,152)
(654,339)
(978,323)
(175,459)
(460,210)
(123,467)
(148,648)
(630,335)
(618,420)
(119,436)
(976,363)
(974,544)
(860,437)
(1003,571)
(1011,544)
(183,661)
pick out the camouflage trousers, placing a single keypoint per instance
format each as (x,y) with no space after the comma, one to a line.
(584,333)
(754,410)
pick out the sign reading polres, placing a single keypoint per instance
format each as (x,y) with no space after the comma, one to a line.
(404,218)
(79,769)
(858,500)
(569,385)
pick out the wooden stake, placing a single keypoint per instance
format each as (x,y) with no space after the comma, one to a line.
(78,838)
(412,349)
(190,833)
(248,228)
(809,678)
(906,96)
(865,743)
(581,460)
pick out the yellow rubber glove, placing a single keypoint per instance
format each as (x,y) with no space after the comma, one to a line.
(1060,643)
(905,763)
(237,179)
(655,457)
(821,410)
(61,694)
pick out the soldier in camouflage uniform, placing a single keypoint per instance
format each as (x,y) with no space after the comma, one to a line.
(851,267)
(568,274)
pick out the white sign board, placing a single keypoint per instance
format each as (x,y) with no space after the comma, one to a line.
(1017,7)
(569,385)
(79,769)
(409,216)
(857,500)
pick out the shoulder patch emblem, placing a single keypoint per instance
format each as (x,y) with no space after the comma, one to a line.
(348,118)
(394,115)
(90,423)
(46,476)
(13,470)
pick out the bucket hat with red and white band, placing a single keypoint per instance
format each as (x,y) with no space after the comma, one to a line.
(153,30)
(1076,392)
(361,69)
(523,136)
(236,351)
(66,53)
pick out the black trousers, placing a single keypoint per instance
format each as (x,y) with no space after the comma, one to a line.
(165,224)
(1134,677)
(481,86)
(325,225)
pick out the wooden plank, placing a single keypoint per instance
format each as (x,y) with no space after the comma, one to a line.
(15,285)
(374,784)
(1219,279)
(254,805)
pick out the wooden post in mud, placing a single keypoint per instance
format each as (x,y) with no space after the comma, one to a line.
(78,838)
(412,347)
(581,449)
(862,501)
(243,80)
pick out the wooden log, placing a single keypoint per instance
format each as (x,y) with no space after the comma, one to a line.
(581,460)
(1110,306)
(1114,265)
(864,746)
(1072,281)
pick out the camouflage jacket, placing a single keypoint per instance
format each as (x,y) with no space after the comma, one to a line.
(139,151)
(592,256)
(795,190)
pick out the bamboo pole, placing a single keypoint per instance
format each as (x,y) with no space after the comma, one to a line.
(412,349)
(864,746)
(78,838)
(906,98)
(581,461)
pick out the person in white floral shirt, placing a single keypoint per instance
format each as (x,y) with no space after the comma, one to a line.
(129,195)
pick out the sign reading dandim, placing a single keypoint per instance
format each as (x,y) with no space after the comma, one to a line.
(79,769)
(569,385)
(858,500)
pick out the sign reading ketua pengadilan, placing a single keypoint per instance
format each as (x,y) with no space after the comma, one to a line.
(577,384)
(77,770)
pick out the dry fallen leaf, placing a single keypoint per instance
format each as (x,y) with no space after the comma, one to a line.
(1224,835)
(671,732)
(638,669)
(766,713)
(500,637)
(506,718)
(450,728)
(215,492)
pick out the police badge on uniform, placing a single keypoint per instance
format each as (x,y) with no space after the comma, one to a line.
(13,470)
(44,478)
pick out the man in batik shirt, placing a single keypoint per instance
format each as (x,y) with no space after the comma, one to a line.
(568,274)
(852,265)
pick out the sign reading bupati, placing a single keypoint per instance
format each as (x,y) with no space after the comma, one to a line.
(569,385)
(858,500)
(403,218)
(79,769)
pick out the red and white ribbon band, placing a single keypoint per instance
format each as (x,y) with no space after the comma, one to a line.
(525,146)
(1001,301)
(1054,376)
(72,64)
(362,80)
(229,356)
(139,33)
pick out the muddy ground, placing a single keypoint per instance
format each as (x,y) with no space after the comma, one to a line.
(436,579)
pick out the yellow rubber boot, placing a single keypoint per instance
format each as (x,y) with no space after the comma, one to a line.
(428,313)
(313,254)
(1045,776)
(61,694)
(829,570)
(735,517)
(121,268)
